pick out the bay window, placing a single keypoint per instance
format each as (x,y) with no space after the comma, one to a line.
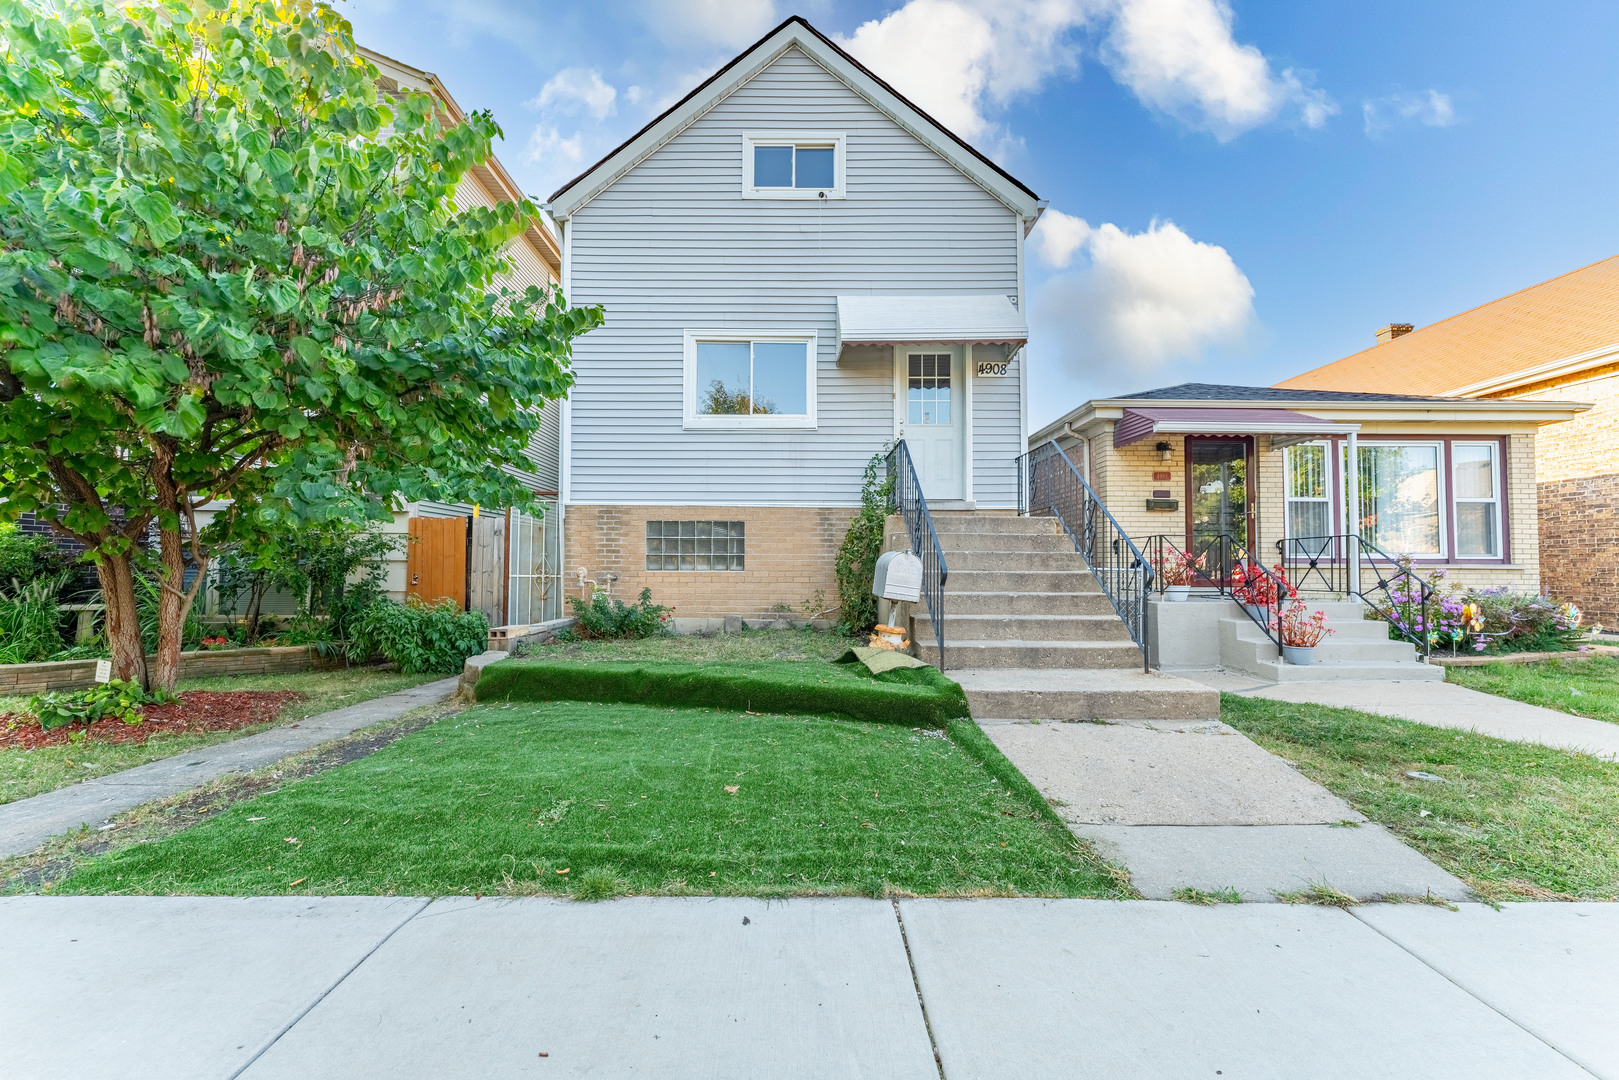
(1309,504)
(1400,498)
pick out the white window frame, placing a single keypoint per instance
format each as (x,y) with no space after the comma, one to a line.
(1327,487)
(812,139)
(1447,513)
(1495,483)
(695,421)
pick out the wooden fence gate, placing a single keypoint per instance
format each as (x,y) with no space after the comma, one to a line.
(488,577)
(436,559)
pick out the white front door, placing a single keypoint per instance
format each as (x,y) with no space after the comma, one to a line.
(932,408)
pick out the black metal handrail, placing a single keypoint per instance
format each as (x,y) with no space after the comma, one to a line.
(1400,595)
(905,496)
(1224,564)
(1049,485)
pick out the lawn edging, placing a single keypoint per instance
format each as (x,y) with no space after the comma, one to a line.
(917,697)
(22,679)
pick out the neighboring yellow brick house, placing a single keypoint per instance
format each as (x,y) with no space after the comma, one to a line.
(1556,341)
(1449,482)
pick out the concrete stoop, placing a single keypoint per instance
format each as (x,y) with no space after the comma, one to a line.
(1358,649)
(1084,694)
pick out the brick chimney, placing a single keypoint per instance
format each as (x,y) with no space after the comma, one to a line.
(1393,330)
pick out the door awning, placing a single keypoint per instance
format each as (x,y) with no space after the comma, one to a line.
(946,320)
(1138,424)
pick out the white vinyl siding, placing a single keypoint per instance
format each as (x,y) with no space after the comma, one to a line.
(673,245)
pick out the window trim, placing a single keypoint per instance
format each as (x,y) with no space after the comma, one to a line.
(1330,449)
(835,139)
(1447,503)
(1498,485)
(1447,513)
(695,421)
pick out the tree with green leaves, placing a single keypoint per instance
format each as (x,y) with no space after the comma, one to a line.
(232,268)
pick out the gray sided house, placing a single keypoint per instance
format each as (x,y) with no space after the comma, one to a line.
(799,267)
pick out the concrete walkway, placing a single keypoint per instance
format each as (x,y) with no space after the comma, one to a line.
(1444,705)
(1200,805)
(28,823)
(362,987)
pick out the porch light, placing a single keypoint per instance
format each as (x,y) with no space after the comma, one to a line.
(1164,451)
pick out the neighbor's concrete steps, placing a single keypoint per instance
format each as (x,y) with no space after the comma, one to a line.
(1029,633)
(1358,648)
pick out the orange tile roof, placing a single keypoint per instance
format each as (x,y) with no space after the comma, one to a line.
(1566,316)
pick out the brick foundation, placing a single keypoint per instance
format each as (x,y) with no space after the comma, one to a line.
(19,679)
(1579,536)
(789,558)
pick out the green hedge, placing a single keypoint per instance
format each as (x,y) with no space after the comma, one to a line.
(917,697)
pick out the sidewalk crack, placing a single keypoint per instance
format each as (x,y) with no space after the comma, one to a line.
(927,1024)
(290,1024)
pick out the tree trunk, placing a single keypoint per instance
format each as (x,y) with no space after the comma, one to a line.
(117,576)
(255,602)
(174,602)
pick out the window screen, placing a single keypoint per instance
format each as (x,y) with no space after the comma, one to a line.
(694,545)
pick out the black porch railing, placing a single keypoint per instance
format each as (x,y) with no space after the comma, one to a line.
(905,496)
(1049,485)
(1223,563)
(1340,564)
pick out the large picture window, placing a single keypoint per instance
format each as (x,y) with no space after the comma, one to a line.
(749,381)
(1400,498)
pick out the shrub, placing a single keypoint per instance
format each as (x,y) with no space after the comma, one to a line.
(26,556)
(121,699)
(604,616)
(856,561)
(420,637)
(30,620)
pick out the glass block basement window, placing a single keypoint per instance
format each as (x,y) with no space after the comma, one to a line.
(694,545)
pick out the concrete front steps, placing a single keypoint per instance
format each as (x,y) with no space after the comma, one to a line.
(1084,694)
(1359,648)
(1030,635)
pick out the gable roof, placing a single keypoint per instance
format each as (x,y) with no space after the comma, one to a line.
(1569,321)
(795,31)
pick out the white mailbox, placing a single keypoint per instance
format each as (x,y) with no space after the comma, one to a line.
(898,577)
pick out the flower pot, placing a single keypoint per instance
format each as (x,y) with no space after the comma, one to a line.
(1257,612)
(1299,654)
(1177,592)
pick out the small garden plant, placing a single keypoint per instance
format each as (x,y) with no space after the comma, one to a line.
(1301,626)
(1493,620)
(124,700)
(605,616)
(420,637)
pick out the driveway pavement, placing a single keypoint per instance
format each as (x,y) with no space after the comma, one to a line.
(361,987)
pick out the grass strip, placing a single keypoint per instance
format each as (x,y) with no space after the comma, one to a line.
(1588,688)
(596,800)
(911,696)
(1516,821)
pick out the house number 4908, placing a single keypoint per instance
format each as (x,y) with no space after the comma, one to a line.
(991,369)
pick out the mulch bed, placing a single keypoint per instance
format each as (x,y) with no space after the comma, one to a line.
(196,713)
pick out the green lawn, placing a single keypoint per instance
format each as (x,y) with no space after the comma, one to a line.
(748,645)
(1582,687)
(1514,820)
(502,798)
(30,772)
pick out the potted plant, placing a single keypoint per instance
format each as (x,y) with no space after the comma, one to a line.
(1301,631)
(1258,591)
(1178,571)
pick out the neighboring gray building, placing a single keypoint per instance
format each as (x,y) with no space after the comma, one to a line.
(798,267)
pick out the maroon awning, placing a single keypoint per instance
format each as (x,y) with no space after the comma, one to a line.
(1139,423)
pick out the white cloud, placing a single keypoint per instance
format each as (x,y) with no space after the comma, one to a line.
(1181,58)
(963,60)
(1141,300)
(574,89)
(1430,108)
(1058,238)
(731,23)
(547,147)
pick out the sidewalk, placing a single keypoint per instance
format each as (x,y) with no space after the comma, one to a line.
(28,823)
(361,987)
(1446,705)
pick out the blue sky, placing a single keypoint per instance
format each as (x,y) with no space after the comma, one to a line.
(1239,192)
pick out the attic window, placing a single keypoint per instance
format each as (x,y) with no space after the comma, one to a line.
(792,165)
